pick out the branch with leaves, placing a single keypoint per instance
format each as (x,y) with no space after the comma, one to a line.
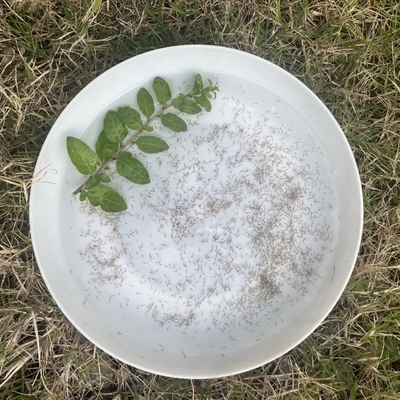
(124,128)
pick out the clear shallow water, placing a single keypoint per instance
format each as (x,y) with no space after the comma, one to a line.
(229,240)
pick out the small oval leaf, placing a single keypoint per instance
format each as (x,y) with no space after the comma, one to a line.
(107,198)
(151,144)
(204,102)
(198,84)
(162,90)
(130,117)
(174,122)
(82,156)
(82,196)
(132,169)
(145,102)
(114,129)
(105,148)
(103,177)
(148,128)
(92,182)
(185,105)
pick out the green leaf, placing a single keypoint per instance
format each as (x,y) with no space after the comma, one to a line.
(162,90)
(132,169)
(103,177)
(185,105)
(174,122)
(114,128)
(204,102)
(92,182)
(82,156)
(198,84)
(212,89)
(107,198)
(130,117)
(82,195)
(95,180)
(151,144)
(148,128)
(145,102)
(105,148)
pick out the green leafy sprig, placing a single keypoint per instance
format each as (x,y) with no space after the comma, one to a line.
(124,128)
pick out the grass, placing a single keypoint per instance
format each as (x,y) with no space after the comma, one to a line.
(347,52)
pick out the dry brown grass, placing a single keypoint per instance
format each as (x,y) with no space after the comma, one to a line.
(347,52)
